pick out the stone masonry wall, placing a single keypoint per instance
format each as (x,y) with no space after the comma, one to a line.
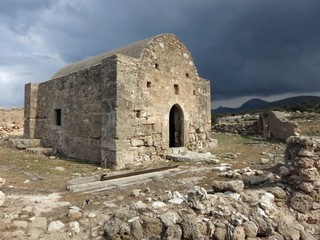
(78,96)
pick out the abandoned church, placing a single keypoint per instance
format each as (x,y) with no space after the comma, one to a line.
(124,106)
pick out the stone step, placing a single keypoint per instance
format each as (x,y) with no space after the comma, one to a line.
(177,150)
(41,150)
(25,143)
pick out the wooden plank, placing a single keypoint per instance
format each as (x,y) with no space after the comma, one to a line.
(129,174)
(82,180)
(118,182)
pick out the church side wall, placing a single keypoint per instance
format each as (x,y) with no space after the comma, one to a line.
(69,114)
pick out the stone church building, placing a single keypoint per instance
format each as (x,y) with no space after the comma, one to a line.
(124,106)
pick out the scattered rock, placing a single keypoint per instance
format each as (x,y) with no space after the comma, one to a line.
(136,230)
(241,173)
(264,224)
(140,205)
(2,182)
(222,167)
(307,187)
(55,226)
(158,204)
(239,233)
(40,223)
(266,202)
(74,213)
(74,227)
(169,218)
(92,215)
(230,155)
(278,192)
(223,186)
(20,224)
(264,160)
(189,225)
(152,227)
(220,233)
(250,229)
(2,198)
(173,232)
(177,198)
(285,228)
(301,202)
(135,193)
(116,229)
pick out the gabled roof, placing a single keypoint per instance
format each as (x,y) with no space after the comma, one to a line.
(134,50)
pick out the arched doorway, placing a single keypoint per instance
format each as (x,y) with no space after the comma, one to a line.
(176,127)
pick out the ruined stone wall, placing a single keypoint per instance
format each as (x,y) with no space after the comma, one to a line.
(275,125)
(11,117)
(302,170)
(146,92)
(249,128)
(78,98)
(11,122)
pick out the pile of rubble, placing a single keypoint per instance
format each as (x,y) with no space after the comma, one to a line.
(228,211)
(10,130)
(302,171)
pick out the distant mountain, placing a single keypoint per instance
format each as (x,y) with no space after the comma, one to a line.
(258,104)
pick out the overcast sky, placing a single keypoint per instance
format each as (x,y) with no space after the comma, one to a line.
(246,48)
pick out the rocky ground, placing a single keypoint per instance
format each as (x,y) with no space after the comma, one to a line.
(250,190)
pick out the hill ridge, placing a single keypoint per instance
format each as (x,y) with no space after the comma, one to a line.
(259,104)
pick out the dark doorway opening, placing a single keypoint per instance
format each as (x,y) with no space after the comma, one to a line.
(176,130)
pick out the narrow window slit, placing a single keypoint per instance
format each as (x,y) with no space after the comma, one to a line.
(176,89)
(57,113)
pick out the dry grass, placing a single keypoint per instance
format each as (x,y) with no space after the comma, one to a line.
(15,162)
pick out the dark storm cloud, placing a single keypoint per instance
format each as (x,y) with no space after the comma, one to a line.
(271,47)
(244,47)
